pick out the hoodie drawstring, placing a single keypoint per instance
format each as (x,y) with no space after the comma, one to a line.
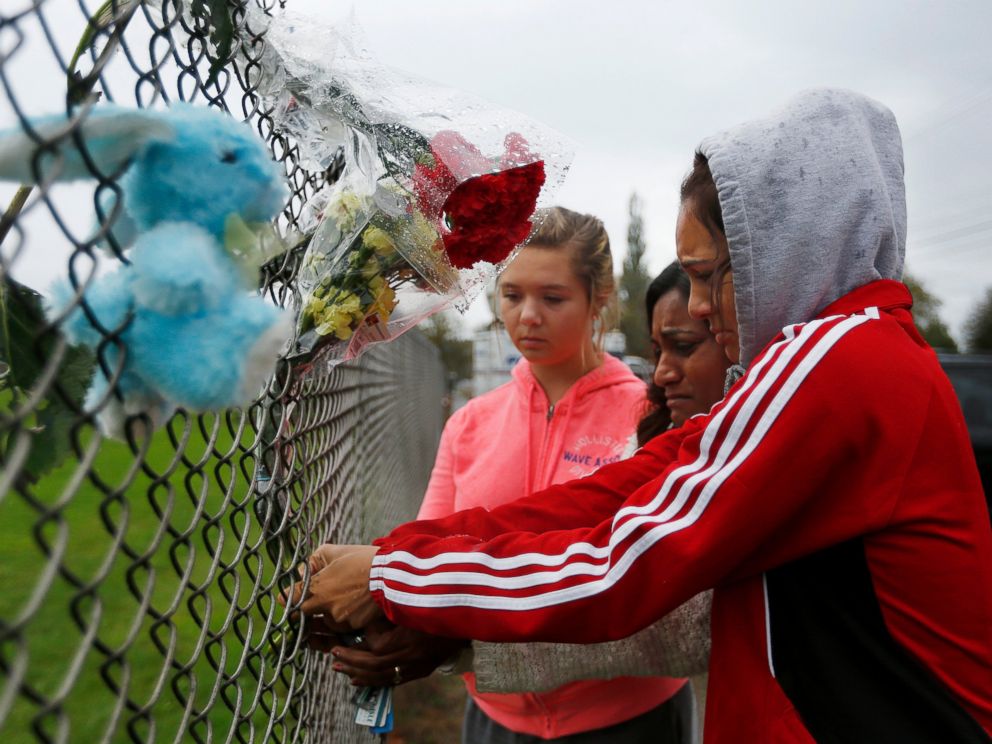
(734,373)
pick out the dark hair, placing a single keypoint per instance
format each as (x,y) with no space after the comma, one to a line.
(657,417)
(699,195)
(671,277)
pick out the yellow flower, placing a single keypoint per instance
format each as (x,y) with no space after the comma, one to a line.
(316,306)
(349,303)
(337,325)
(337,318)
(343,332)
(371,269)
(385,301)
(379,241)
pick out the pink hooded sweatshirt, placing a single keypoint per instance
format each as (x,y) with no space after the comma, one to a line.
(509,443)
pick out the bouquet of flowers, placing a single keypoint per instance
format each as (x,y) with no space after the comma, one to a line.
(437,191)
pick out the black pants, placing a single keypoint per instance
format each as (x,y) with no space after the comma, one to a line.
(672,722)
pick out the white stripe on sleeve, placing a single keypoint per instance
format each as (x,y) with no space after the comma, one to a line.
(657,526)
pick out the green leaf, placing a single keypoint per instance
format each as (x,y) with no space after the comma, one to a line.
(220,29)
(23,321)
(50,441)
(101,20)
(76,372)
(104,17)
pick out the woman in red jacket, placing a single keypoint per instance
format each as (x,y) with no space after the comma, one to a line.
(831,499)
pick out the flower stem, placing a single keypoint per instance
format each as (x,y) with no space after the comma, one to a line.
(14,209)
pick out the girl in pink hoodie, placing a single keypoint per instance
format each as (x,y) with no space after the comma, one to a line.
(569,409)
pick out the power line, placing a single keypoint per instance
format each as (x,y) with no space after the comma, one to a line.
(953,110)
(955,211)
(954,251)
(958,232)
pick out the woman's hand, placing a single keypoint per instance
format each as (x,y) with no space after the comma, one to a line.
(339,586)
(390,655)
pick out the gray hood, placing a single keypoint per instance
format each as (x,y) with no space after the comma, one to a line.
(813,205)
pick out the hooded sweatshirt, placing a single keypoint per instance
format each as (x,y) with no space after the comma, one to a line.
(813,207)
(509,443)
(831,499)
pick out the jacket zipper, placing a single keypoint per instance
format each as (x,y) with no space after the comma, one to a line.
(541,478)
(542,475)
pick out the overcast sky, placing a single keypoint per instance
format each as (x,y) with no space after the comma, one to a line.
(637,84)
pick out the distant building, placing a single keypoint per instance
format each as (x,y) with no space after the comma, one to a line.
(493,356)
(640,367)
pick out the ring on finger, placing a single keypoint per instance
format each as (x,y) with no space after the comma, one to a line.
(397,676)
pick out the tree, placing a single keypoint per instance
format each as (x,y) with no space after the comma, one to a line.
(978,327)
(456,353)
(634,281)
(927,317)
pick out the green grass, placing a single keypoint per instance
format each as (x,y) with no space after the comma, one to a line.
(138,538)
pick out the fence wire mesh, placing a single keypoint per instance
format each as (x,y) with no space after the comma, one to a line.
(138,578)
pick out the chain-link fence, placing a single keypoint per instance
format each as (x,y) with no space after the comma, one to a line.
(138,577)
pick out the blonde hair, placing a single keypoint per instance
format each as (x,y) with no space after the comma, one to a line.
(592,260)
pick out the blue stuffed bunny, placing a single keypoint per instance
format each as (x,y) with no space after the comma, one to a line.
(192,331)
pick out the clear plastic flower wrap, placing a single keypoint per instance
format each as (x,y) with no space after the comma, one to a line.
(437,190)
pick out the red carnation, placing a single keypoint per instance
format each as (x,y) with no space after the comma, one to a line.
(481,216)
(453,159)
(487,216)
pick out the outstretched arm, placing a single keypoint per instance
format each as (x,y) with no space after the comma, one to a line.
(580,503)
(340,587)
(718,511)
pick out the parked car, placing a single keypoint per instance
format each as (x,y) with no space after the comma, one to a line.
(639,366)
(971,376)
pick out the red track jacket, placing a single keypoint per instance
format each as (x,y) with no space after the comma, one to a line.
(831,499)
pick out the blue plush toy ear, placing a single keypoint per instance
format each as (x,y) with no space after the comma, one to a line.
(112,135)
